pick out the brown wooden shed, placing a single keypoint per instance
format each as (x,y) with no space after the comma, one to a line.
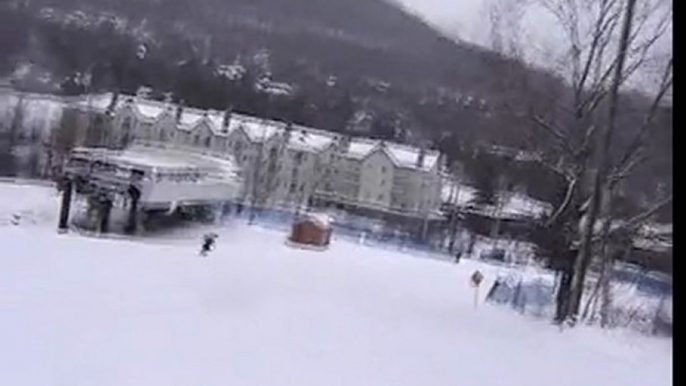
(311,230)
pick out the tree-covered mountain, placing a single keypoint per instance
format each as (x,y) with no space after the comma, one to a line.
(359,66)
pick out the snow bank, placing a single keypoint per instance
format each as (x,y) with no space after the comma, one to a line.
(31,202)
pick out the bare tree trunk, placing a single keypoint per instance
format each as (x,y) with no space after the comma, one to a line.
(585,252)
(589,309)
(606,289)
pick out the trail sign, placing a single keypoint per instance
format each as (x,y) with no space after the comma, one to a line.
(476,278)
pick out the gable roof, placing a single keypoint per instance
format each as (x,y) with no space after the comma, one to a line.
(258,130)
(402,156)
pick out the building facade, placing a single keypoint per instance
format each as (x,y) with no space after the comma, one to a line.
(283,165)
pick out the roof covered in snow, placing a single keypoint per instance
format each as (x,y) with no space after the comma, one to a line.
(257,130)
(509,205)
(323,220)
(303,139)
(160,160)
(47,110)
(360,148)
(409,157)
(403,156)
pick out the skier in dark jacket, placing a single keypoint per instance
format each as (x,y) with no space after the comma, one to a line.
(208,243)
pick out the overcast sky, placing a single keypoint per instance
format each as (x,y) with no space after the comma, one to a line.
(452,15)
(468,21)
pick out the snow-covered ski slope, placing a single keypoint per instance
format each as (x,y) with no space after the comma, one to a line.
(84,311)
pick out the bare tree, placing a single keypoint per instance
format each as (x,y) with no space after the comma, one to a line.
(608,42)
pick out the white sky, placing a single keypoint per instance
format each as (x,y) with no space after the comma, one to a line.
(468,20)
(454,16)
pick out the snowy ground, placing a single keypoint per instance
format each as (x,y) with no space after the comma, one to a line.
(82,311)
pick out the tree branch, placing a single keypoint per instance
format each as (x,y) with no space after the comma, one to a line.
(638,143)
(555,132)
(598,43)
(565,203)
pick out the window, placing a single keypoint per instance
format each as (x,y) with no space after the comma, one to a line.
(383,169)
(380,198)
(127,123)
(163,135)
(291,189)
(196,140)
(300,157)
(383,182)
(208,141)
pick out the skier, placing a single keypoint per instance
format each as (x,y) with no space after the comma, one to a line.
(208,243)
(458,254)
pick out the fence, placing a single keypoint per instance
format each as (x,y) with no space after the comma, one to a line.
(633,306)
(350,228)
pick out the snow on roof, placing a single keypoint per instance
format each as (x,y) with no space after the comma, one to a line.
(190,118)
(99,101)
(456,193)
(360,148)
(161,159)
(216,120)
(258,130)
(322,219)
(150,109)
(306,140)
(406,157)
(403,156)
(509,206)
(522,205)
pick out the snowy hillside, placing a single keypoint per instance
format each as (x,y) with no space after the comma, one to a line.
(83,311)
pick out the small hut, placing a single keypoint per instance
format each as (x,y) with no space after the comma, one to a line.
(311,231)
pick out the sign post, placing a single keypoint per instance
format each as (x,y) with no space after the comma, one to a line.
(476,279)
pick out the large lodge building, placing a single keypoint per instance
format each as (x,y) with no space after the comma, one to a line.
(283,165)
